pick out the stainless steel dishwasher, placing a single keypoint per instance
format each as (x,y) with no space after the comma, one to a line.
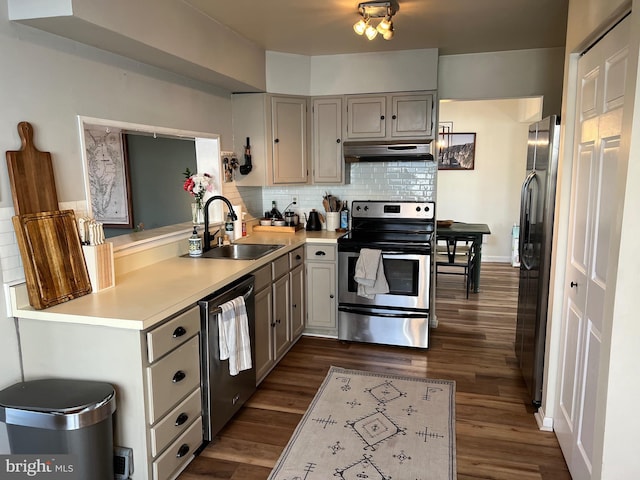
(223,394)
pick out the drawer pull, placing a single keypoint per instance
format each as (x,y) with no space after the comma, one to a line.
(181,419)
(179,376)
(178,332)
(320,253)
(298,257)
(182,451)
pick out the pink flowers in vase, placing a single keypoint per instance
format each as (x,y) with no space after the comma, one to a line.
(197,184)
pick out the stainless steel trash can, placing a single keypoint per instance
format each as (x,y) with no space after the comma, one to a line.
(61,416)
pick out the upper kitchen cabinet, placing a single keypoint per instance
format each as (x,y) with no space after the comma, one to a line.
(390,116)
(326,141)
(277,129)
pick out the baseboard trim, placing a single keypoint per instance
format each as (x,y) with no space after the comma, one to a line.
(544,423)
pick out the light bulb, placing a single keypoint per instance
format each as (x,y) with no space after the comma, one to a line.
(371,32)
(360,26)
(384,25)
(388,35)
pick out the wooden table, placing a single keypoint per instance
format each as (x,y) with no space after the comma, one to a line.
(475,231)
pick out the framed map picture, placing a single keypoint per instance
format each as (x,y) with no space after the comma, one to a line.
(108,172)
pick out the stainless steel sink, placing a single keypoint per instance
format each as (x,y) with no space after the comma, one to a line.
(241,251)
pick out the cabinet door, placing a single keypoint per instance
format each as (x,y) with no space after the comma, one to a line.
(366,117)
(327,140)
(411,115)
(321,298)
(281,317)
(289,135)
(296,278)
(264,333)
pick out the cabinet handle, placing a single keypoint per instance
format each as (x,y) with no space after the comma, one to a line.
(331,296)
(178,332)
(182,451)
(393,117)
(320,253)
(181,419)
(573,284)
(298,257)
(273,324)
(277,140)
(278,321)
(295,306)
(179,376)
(338,140)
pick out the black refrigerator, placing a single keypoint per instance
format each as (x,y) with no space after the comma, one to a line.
(537,205)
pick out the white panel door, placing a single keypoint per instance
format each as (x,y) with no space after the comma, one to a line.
(601,77)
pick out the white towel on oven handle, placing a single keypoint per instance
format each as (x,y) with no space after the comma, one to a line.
(233,335)
(369,273)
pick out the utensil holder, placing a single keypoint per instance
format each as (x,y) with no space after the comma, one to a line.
(333,221)
(99,260)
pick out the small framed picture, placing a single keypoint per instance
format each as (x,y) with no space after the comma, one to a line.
(109,178)
(456,151)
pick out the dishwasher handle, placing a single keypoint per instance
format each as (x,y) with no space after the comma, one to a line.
(245,295)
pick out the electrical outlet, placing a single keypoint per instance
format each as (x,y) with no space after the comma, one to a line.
(295,199)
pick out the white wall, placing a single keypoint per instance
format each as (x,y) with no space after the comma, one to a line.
(491,192)
(405,70)
(617,424)
(514,74)
(48,81)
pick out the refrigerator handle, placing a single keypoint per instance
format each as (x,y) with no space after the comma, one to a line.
(524,222)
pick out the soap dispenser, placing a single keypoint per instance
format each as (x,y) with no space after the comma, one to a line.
(195,244)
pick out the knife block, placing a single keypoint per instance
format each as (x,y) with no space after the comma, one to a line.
(99,260)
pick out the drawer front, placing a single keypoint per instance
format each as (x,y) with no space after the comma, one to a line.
(176,422)
(321,253)
(172,378)
(296,258)
(179,453)
(262,277)
(280,266)
(172,334)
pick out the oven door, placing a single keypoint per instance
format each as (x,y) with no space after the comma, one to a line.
(407,275)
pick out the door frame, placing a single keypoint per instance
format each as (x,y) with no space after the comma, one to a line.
(619,304)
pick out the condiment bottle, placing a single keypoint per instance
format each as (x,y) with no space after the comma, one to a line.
(344,216)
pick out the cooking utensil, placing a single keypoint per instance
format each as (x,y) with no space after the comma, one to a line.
(31,176)
(52,257)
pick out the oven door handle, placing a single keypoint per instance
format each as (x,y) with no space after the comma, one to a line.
(404,254)
(369,312)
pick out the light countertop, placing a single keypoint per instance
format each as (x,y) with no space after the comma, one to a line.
(143,297)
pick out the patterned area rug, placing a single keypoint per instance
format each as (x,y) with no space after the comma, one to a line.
(365,425)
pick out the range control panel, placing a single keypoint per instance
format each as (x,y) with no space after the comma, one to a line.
(405,209)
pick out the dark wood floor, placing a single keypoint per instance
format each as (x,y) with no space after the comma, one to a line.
(496,433)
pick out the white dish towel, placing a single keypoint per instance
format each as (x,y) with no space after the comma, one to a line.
(233,334)
(369,273)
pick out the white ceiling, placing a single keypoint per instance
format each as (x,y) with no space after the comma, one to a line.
(324,27)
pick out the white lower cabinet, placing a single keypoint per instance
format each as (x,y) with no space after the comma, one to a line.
(155,373)
(322,295)
(279,309)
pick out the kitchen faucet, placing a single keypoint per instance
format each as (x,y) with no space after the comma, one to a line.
(207,236)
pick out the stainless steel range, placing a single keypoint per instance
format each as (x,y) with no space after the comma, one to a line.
(403,232)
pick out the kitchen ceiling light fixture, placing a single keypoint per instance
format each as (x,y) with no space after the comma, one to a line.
(369,10)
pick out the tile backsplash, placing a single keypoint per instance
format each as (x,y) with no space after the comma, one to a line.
(369,181)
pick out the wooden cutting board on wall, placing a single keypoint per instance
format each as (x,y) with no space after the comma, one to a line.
(52,257)
(31,176)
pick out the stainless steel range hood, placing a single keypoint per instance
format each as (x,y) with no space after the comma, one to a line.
(386,151)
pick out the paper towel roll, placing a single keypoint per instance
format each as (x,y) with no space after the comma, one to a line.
(237,224)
